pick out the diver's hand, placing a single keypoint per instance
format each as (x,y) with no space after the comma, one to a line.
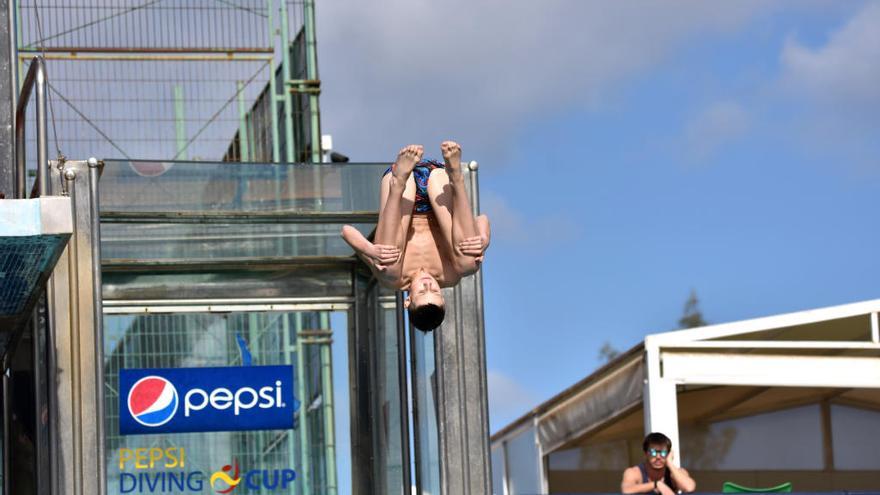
(383,255)
(472,246)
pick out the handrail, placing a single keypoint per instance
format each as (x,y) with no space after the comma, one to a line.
(36,76)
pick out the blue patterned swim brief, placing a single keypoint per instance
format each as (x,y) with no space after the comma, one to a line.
(422,172)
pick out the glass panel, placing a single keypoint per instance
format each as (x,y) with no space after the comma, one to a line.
(497,458)
(153,186)
(284,281)
(856,438)
(210,339)
(427,447)
(523,464)
(223,240)
(208,210)
(387,436)
(341,404)
(788,439)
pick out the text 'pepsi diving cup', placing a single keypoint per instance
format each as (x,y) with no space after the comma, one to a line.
(178,400)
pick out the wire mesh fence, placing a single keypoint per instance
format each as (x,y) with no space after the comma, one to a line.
(168,110)
(159,79)
(145,25)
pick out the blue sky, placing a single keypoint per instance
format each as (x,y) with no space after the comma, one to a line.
(630,152)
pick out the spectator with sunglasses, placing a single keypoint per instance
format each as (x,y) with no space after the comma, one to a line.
(658,474)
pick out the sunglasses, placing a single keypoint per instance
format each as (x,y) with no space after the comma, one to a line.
(655,453)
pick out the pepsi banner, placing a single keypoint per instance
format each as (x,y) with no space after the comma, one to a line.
(177,400)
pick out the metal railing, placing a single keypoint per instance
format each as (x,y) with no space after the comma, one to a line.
(35,78)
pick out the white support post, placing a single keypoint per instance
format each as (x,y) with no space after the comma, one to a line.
(875,328)
(660,402)
(542,462)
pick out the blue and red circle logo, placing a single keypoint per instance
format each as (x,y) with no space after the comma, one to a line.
(152,401)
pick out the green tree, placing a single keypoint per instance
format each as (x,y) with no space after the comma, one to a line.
(607,352)
(692,316)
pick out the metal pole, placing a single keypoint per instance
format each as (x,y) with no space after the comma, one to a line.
(13,51)
(403,391)
(36,76)
(290,146)
(42,141)
(18,29)
(55,437)
(254,328)
(273,91)
(243,145)
(312,73)
(305,400)
(276,146)
(329,414)
(75,377)
(98,318)
(38,359)
(222,56)
(179,123)
(462,412)
(417,450)
(7,430)
(287,348)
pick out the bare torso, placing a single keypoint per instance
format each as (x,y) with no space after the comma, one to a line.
(426,248)
(440,246)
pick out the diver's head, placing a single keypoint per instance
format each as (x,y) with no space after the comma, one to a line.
(425,302)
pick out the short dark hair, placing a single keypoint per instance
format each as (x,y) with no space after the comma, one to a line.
(656,439)
(427,316)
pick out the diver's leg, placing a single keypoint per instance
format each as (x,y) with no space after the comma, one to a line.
(449,198)
(396,197)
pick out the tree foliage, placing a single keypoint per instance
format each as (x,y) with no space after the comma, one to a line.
(607,352)
(692,316)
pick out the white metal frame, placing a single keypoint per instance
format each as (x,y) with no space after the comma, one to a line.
(228,305)
(695,357)
(505,441)
(692,357)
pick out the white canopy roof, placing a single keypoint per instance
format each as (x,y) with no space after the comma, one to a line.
(825,352)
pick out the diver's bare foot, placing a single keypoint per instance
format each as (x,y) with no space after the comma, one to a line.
(452,156)
(407,159)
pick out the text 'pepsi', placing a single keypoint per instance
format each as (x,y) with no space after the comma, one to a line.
(213,399)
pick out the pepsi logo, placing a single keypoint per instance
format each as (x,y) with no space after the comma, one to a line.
(152,401)
(177,400)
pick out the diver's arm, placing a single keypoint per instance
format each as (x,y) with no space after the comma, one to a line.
(379,256)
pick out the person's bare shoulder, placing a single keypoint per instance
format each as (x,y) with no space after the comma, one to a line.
(632,470)
(631,477)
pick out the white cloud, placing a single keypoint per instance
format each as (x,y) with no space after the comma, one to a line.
(844,70)
(715,126)
(508,399)
(510,224)
(403,70)
(836,87)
